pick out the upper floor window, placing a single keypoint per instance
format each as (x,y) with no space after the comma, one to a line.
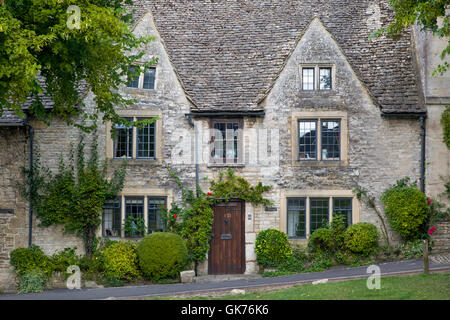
(226,140)
(317,77)
(329,143)
(137,143)
(145,80)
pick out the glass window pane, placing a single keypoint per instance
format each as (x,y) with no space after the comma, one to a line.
(307,140)
(146,141)
(225,141)
(325,78)
(331,140)
(112,219)
(134,206)
(149,78)
(133,83)
(123,143)
(308,78)
(296,217)
(319,214)
(155,222)
(343,207)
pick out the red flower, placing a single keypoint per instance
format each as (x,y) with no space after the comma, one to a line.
(429,201)
(431,230)
(174,215)
(209,193)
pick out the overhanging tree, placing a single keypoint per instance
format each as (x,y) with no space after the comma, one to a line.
(40,38)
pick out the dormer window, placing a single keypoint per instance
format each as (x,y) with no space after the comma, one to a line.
(145,80)
(317,77)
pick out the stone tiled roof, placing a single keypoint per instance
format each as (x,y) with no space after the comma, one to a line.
(10,118)
(228,53)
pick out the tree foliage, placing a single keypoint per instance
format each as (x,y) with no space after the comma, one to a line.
(75,195)
(36,39)
(426,13)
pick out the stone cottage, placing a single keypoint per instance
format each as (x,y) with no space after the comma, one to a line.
(293,94)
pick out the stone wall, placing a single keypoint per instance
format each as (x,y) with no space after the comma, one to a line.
(13,226)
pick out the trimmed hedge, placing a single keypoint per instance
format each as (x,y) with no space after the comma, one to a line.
(120,261)
(272,248)
(361,238)
(162,255)
(25,260)
(321,240)
(406,210)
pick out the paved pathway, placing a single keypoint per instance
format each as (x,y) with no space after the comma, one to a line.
(390,268)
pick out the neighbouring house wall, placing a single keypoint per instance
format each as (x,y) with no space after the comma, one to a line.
(14,154)
(436,90)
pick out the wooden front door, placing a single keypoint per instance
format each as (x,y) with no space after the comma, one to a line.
(227,252)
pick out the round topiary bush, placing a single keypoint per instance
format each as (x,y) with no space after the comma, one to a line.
(120,261)
(272,248)
(162,255)
(361,238)
(321,240)
(406,210)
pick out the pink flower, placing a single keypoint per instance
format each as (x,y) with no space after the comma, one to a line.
(431,230)
(429,201)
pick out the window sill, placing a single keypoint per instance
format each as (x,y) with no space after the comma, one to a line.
(319,164)
(225,165)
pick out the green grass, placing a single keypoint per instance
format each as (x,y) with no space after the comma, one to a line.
(417,287)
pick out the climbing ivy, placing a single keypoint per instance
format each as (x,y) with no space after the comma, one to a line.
(230,186)
(197,213)
(445,121)
(75,195)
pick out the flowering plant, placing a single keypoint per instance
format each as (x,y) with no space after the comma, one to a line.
(171,216)
(431,230)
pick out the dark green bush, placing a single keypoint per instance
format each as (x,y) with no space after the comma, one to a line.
(321,240)
(361,238)
(32,281)
(25,260)
(162,255)
(120,261)
(295,263)
(63,259)
(272,248)
(320,262)
(406,210)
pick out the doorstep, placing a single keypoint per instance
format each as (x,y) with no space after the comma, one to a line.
(225,277)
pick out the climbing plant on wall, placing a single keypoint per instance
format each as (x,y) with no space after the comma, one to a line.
(197,213)
(75,195)
(445,121)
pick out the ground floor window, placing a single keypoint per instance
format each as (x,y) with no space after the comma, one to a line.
(117,211)
(112,218)
(307,214)
(155,221)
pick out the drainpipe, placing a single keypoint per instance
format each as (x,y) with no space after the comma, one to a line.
(422,154)
(30,216)
(189,117)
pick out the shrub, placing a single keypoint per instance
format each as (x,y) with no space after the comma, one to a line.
(321,262)
(32,281)
(25,260)
(413,249)
(272,248)
(62,260)
(406,209)
(361,238)
(162,255)
(321,240)
(120,261)
(295,263)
